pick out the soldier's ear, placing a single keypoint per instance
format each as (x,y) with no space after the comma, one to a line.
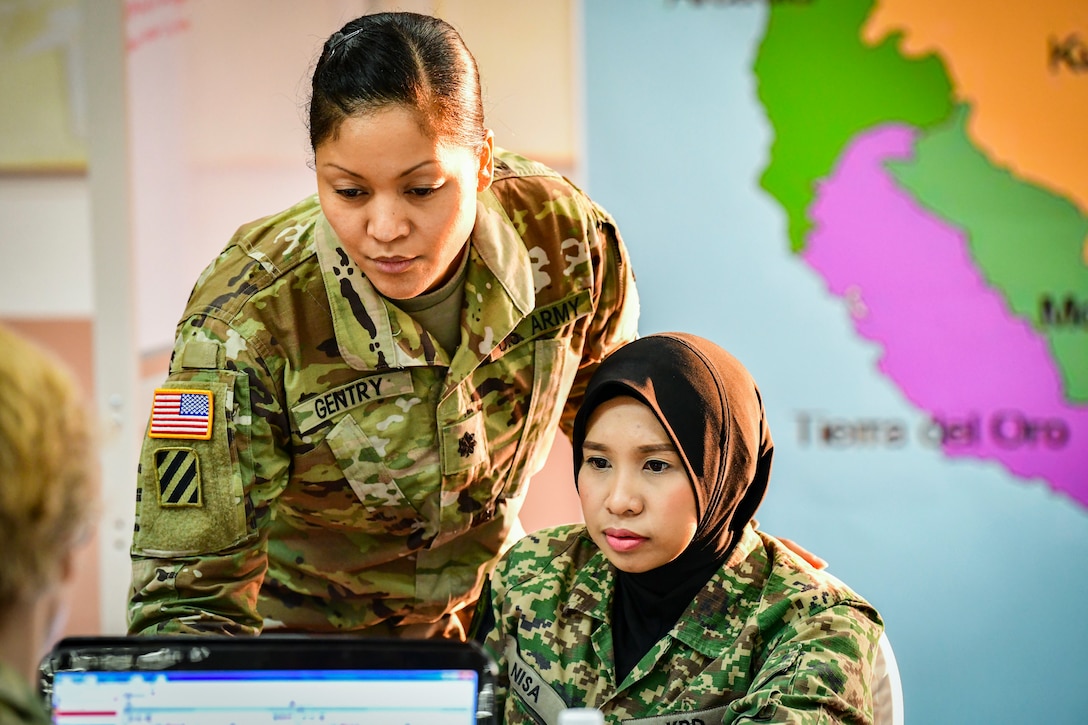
(486,160)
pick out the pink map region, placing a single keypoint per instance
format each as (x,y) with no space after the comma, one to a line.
(950,343)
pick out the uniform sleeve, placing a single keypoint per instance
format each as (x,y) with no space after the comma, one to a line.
(819,671)
(199,550)
(615,321)
(490,633)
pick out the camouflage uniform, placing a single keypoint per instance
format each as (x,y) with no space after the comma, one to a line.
(767,640)
(358,477)
(19,703)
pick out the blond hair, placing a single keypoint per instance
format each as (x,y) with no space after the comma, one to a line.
(48,490)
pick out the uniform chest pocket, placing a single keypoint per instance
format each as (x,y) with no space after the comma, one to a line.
(386,508)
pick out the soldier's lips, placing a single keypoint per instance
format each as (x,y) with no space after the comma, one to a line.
(623,540)
(392,265)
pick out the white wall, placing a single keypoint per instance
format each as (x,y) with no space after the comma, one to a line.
(45,246)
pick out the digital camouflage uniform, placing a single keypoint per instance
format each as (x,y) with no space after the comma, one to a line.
(767,640)
(356,477)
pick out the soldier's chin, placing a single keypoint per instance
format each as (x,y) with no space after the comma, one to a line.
(628,566)
(398,287)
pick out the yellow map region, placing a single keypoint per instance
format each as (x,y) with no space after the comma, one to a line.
(1023,68)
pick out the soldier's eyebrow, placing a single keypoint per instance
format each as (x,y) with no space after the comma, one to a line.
(357,175)
(649,448)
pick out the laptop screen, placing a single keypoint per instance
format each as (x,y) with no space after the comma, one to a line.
(268,679)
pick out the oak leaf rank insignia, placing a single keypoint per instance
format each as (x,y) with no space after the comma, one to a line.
(466,444)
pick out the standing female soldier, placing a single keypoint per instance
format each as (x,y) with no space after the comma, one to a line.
(362,385)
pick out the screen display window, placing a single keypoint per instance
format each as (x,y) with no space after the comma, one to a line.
(375,697)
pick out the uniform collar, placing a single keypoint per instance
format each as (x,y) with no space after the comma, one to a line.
(372,333)
(594,583)
(714,623)
(712,626)
(591,595)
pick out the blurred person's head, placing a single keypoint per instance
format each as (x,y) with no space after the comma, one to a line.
(48,494)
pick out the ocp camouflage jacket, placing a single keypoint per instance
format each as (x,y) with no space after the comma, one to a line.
(356,476)
(20,703)
(767,640)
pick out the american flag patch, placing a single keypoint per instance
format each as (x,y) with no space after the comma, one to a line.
(181,414)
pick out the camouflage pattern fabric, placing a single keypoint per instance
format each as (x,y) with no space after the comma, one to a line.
(767,640)
(358,477)
(19,702)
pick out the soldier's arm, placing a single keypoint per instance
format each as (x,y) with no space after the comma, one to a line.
(813,560)
(199,552)
(819,671)
(615,318)
(487,630)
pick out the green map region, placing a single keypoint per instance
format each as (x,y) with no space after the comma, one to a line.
(1008,221)
(821,85)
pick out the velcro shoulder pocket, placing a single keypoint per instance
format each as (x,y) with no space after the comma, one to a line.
(191,494)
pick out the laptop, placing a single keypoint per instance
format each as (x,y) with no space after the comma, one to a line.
(216,680)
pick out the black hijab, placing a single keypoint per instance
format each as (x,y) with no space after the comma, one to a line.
(711,409)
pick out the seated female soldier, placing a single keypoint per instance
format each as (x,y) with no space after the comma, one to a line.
(668,604)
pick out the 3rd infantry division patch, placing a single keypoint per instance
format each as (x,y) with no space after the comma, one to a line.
(178,471)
